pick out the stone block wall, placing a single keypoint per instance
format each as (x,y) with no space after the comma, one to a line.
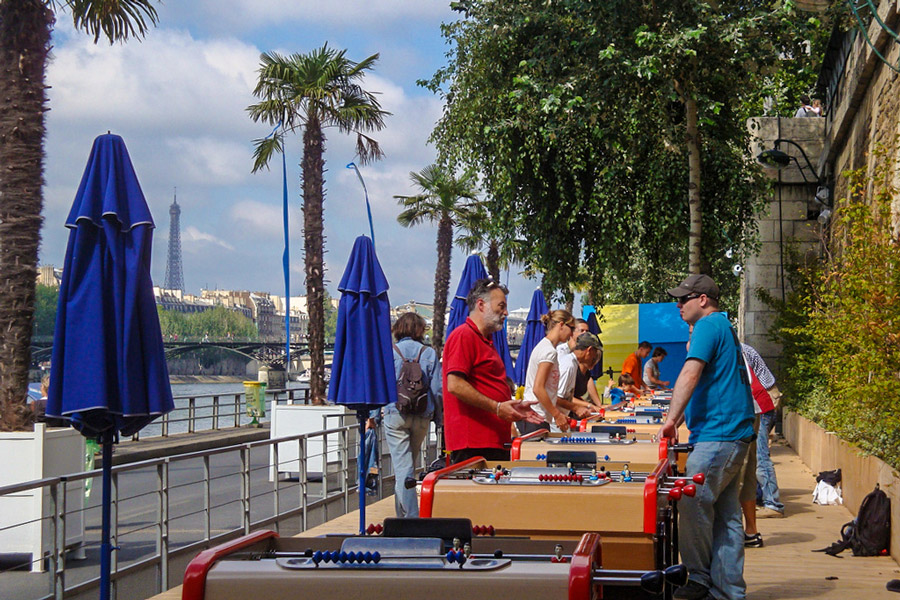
(866,114)
(785,221)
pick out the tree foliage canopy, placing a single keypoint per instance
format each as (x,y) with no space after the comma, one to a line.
(575,114)
(217,323)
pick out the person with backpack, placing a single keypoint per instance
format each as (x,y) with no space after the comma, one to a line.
(406,423)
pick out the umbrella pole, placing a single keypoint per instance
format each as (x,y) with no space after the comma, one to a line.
(362,416)
(105,546)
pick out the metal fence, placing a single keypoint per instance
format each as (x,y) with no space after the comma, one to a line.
(206,412)
(164,511)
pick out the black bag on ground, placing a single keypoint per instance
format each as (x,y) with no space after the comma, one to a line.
(832,478)
(870,532)
(412,389)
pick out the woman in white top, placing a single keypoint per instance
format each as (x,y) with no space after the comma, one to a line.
(542,377)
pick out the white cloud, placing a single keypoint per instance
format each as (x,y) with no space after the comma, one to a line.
(191,236)
(179,99)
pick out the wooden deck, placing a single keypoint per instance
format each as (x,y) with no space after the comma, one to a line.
(784,569)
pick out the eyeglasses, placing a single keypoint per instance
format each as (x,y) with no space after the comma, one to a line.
(687,299)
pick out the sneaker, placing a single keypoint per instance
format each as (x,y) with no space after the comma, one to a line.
(692,591)
(753,541)
(769,513)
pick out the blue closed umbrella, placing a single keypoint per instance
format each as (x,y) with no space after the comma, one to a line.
(534,333)
(108,372)
(459,310)
(362,372)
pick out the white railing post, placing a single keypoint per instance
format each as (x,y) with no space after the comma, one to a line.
(164,525)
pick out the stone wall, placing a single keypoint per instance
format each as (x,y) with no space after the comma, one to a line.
(866,110)
(788,220)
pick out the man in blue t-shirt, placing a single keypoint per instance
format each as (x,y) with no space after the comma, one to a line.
(712,394)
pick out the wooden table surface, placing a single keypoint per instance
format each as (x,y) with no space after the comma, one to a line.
(784,569)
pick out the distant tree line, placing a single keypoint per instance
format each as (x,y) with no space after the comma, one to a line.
(45,298)
(217,323)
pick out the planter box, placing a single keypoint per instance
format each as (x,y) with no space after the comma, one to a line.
(822,450)
(25,517)
(294,419)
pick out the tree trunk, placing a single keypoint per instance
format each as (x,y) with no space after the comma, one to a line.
(569,296)
(441,281)
(313,243)
(25,27)
(493,260)
(692,139)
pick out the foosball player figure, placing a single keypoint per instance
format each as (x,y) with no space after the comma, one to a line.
(626,474)
(571,469)
(558,555)
(594,476)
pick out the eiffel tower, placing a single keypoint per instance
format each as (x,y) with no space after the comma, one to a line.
(174,272)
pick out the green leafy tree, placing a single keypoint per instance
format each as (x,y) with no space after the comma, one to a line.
(449,201)
(45,300)
(609,134)
(217,323)
(311,92)
(25,28)
(330,319)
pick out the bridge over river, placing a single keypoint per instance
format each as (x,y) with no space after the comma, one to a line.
(271,354)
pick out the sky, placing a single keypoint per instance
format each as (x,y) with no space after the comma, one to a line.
(179,97)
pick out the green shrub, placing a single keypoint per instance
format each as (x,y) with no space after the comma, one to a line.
(841,326)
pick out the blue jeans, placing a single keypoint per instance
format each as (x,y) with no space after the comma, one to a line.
(371,450)
(404,438)
(765,470)
(711,533)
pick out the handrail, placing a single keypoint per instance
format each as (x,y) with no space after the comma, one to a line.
(159,503)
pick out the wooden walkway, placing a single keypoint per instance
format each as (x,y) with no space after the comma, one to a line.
(784,569)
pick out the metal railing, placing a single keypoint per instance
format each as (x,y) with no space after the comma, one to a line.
(213,412)
(164,511)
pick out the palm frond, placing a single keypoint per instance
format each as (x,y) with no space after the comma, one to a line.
(264,149)
(367,149)
(116,20)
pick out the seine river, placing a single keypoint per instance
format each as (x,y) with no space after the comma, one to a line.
(226,393)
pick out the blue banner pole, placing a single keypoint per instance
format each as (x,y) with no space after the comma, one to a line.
(366,192)
(286,265)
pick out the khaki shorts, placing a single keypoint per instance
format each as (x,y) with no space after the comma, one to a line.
(748,473)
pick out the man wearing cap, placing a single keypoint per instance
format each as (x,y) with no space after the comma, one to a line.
(573,355)
(712,394)
(478,404)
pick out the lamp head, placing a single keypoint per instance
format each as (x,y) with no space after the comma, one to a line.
(773,158)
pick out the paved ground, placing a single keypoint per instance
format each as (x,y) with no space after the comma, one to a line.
(182,443)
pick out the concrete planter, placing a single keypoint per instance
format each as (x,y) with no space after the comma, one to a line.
(822,450)
(25,517)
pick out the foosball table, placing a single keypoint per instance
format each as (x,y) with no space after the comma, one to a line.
(632,510)
(630,448)
(437,558)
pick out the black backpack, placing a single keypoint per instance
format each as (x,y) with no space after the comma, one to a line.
(412,389)
(870,532)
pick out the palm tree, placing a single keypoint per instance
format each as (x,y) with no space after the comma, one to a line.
(477,233)
(311,92)
(442,200)
(25,28)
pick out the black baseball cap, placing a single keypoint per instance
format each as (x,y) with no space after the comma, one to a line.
(696,284)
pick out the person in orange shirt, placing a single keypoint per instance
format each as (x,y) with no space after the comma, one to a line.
(632,364)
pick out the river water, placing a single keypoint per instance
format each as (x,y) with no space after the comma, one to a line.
(203,393)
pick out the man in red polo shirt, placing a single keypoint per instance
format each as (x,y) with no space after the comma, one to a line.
(477,394)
